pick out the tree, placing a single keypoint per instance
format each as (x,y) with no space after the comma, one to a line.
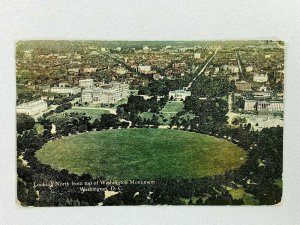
(163,101)
(210,87)
(136,103)
(158,88)
(67,105)
(97,125)
(124,124)
(153,104)
(214,108)
(59,109)
(232,86)
(154,121)
(109,120)
(24,122)
(121,110)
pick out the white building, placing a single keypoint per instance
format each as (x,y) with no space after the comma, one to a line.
(90,70)
(233,77)
(157,76)
(66,90)
(87,95)
(179,94)
(178,64)
(272,106)
(121,71)
(62,57)
(106,94)
(260,78)
(144,69)
(225,67)
(267,56)
(262,94)
(111,94)
(145,48)
(217,70)
(197,55)
(33,107)
(277,106)
(206,72)
(94,53)
(249,69)
(233,69)
(73,70)
(77,56)
(250,105)
(86,83)
(263,106)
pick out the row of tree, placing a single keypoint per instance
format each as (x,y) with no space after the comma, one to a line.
(137,104)
(257,176)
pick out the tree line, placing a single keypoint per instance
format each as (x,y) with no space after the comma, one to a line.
(258,176)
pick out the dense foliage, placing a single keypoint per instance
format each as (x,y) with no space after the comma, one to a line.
(258,177)
(24,122)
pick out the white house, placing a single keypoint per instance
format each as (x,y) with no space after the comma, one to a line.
(179,94)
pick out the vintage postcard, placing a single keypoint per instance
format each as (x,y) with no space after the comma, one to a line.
(103,123)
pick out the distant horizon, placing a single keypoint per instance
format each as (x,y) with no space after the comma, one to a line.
(195,41)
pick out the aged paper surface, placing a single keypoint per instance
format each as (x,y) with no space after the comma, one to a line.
(149,21)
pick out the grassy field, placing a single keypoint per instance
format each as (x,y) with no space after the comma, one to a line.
(173,106)
(142,154)
(170,110)
(94,113)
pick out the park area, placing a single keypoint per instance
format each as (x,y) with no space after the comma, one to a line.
(173,107)
(145,153)
(166,114)
(94,113)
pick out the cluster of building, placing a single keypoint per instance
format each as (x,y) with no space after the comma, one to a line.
(261,101)
(251,68)
(63,89)
(214,70)
(263,106)
(104,93)
(86,83)
(92,92)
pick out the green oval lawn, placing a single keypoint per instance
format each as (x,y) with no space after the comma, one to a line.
(142,154)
